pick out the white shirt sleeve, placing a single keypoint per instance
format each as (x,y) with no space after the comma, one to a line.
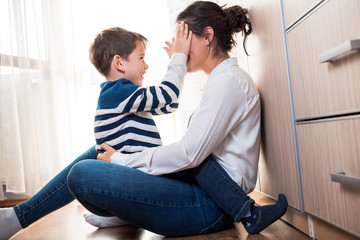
(223,104)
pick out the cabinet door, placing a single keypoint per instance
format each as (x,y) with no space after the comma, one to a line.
(267,66)
(295,9)
(325,88)
(326,148)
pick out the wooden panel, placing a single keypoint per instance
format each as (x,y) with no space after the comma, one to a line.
(294,9)
(325,148)
(267,66)
(326,88)
(325,231)
(350,151)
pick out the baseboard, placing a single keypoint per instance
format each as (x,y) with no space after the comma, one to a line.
(11,202)
(323,230)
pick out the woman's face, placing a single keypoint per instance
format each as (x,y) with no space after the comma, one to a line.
(199,52)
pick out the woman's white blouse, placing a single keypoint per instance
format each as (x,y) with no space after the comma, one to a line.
(226,124)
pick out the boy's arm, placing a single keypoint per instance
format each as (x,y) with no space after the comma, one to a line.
(171,48)
(163,98)
(170,108)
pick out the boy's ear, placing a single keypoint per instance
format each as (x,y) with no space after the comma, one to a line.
(118,63)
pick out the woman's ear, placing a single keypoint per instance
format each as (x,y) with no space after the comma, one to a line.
(118,63)
(209,34)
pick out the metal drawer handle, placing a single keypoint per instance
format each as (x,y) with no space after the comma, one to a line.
(340,177)
(345,47)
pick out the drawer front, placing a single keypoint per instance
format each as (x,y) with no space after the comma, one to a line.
(332,87)
(326,148)
(295,9)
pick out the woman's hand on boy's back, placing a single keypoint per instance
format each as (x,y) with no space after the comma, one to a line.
(182,41)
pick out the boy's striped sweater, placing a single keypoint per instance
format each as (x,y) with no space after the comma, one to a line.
(123,118)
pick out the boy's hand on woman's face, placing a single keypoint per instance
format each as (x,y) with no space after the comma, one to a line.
(182,39)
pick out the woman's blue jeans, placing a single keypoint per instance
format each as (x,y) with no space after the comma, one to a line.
(222,190)
(161,204)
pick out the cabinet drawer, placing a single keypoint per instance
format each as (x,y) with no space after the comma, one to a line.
(332,87)
(295,9)
(326,148)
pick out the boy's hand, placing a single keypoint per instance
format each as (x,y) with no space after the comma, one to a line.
(182,39)
(169,48)
(106,156)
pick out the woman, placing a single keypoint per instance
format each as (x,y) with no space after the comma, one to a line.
(225,127)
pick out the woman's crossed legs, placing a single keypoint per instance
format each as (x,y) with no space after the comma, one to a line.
(160,204)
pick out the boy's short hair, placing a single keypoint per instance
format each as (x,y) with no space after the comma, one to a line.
(111,42)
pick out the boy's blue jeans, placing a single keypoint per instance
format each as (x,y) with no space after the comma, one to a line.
(161,204)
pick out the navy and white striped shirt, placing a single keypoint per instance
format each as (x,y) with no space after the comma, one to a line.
(123,118)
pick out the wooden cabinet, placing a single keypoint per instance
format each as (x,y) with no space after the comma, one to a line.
(323,89)
(326,148)
(327,106)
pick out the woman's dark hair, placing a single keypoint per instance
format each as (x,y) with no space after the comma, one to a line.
(224,21)
(111,42)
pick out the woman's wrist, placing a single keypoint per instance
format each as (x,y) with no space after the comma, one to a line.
(118,158)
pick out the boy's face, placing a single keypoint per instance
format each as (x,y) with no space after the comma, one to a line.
(135,67)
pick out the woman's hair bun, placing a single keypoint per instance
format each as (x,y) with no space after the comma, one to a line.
(238,19)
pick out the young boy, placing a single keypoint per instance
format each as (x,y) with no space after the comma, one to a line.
(123,118)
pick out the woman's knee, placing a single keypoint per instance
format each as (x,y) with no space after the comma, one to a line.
(79,174)
(89,174)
